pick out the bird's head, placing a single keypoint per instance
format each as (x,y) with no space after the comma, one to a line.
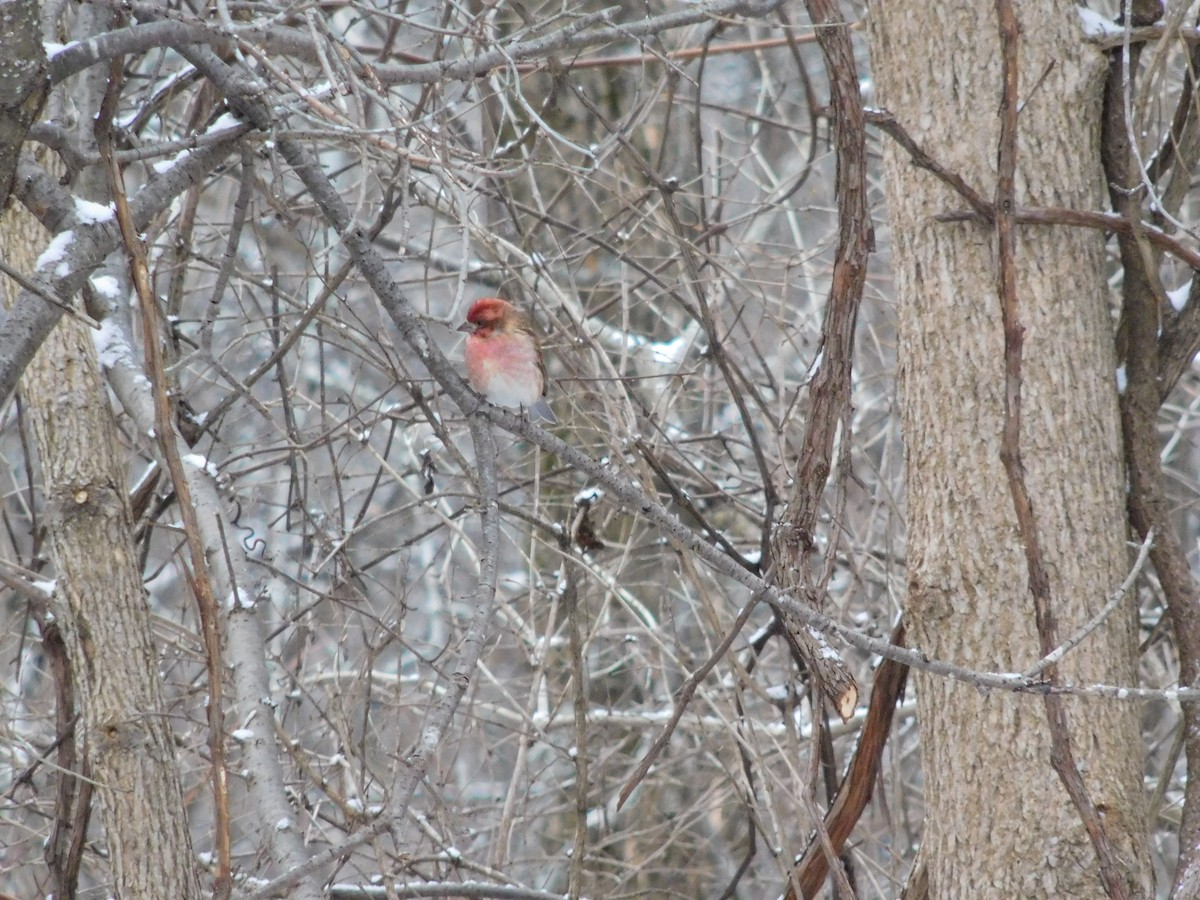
(488,314)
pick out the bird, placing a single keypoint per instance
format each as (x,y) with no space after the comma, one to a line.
(504,357)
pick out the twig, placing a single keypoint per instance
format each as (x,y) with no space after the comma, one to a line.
(34,288)
(1144,34)
(1086,218)
(233,238)
(461,890)
(1118,596)
(580,750)
(686,693)
(1061,755)
(438,721)
(163,420)
(65,734)
(681,55)
(72,801)
(888,124)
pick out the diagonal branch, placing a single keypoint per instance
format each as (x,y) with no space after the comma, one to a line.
(685,694)
(890,125)
(1180,341)
(82,248)
(199,579)
(856,788)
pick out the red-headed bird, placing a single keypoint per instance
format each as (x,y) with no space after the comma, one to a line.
(504,357)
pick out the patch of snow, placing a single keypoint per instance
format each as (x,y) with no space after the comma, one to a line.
(167,165)
(197,461)
(53,255)
(90,213)
(106,286)
(111,347)
(589,496)
(1096,25)
(1178,297)
(671,353)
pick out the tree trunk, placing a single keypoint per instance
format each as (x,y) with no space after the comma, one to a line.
(101,604)
(998,821)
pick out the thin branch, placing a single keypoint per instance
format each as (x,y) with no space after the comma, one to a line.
(685,695)
(241,208)
(583,31)
(1062,756)
(889,125)
(31,318)
(439,717)
(579,698)
(1117,598)
(1144,34)
(437,721)
(72,802)
(682,55)
(38,290)
(206,603)
(1180,341)
(1085,218)
(824,844)
(468,890)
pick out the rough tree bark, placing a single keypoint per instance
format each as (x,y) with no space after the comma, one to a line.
(101,603)
(998,821)
(22,83)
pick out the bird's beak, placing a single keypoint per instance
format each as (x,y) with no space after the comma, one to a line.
(467,327)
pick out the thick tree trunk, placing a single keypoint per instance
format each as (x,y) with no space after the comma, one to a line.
(998,821)
(101,604)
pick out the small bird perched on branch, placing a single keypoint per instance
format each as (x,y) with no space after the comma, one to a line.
(504,357)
